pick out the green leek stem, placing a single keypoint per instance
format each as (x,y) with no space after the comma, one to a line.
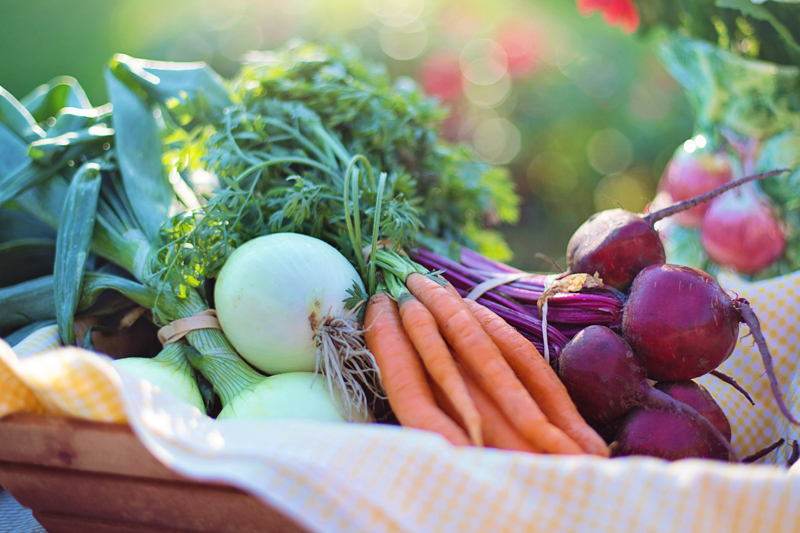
(218,361)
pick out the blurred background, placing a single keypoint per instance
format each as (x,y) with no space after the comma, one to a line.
(583,115)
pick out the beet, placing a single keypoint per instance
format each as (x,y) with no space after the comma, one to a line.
(617,244)
(697,397)
(689,174)
(606,379)
(668,434)
(680,321)
(683,325)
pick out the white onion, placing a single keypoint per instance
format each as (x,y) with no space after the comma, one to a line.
(280,301)
(169,371)
(302,395)
(271,291)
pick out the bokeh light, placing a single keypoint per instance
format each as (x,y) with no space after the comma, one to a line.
(575,110)
(609,151)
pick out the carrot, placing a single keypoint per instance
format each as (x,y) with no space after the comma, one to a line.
(494,375)
(403,377)
(424,333)
(498,432)
(539,379)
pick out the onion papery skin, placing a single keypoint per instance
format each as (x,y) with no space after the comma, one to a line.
(740,231)
(168,377)
(298,395)
(273,290)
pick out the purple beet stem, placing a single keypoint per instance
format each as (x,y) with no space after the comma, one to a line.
(655,216)
(750,318)
(575,308)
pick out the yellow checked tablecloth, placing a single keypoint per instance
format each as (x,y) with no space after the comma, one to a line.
(372,478)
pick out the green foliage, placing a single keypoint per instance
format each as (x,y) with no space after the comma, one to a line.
(308,116)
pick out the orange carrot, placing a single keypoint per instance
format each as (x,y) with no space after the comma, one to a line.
(498,432)
(539,379)
(403,377)
(478,352)
(424,333)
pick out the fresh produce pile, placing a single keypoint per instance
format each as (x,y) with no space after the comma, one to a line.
(304,241)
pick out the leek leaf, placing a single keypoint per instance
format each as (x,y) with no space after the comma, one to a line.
(72,245)
(25,259)
(175,85)
(16,118)
(15,225)
(138,150)
(47,100)
(26,302)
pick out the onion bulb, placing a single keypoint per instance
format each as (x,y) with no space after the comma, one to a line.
(301,395)
(280,301)
(170,371)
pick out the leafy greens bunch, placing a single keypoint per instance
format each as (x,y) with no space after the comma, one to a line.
(295,150)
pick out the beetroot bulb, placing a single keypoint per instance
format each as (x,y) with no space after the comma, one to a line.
(617,244)
(670,435)
(683,325)
(689,174)
(606,379)
(740,231)
(696,396)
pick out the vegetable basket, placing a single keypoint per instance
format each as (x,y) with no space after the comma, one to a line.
(79,475)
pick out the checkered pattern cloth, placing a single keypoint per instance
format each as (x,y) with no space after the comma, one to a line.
(374,478)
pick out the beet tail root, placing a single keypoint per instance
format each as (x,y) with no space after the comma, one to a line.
(750,318)
(795,455)
(655,216)
(763,453)
(732,382)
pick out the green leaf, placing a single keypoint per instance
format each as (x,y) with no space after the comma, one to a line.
(16,118)
(750,97)
(16,225)
(45,201)
(174,84)
(760,12)
(45,150)
(94,284)
(26,302)
(25,259)
(138,148)
(72,246)
(47,100)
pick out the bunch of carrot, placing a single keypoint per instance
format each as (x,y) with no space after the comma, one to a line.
(452,366)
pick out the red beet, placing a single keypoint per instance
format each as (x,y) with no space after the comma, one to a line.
(689,174)
(683,325)
(664,433)
(618,244)
(680,321)
(740,231)
(605,380)
(696,396)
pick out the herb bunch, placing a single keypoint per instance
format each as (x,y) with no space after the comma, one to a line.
(305,120)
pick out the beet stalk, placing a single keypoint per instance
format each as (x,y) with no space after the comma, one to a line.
(618,244)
